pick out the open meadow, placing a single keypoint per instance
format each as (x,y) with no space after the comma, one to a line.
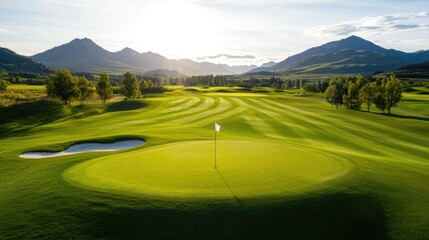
(288,167)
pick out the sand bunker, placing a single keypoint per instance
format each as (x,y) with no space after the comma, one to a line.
(86,147)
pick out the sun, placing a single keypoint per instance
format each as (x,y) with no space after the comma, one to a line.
(177,29)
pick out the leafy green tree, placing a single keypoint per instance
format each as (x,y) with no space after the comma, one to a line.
(3,87)
(330,93)
(150,84)
(380,99)
(17,79)
(367,94)
(130,85)
(323,86)
(335,91)
(359,81)
(393,91)
(351,97)
(63,86)
(340,90)
(143,86)
(103,87)
(85,91)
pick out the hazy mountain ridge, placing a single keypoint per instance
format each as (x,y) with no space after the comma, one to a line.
(325,59)
(13,62)
(83,55)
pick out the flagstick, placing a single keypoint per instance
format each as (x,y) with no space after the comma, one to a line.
(215,146)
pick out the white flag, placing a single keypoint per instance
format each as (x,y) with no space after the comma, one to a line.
(217,127)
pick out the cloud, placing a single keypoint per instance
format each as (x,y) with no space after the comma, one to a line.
(2,30)
(422,14)
(227,56)
(375,25)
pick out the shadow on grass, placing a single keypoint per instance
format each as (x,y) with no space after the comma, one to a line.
(222,91)
(397,115)
(19,118)
(191,90)
(337,216)
(33,112)
(125,106)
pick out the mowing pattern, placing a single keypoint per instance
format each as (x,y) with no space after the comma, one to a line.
(185,169)
(365,173)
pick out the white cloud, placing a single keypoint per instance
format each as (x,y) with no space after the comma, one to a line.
(227,56)
(6,31)
(374,25)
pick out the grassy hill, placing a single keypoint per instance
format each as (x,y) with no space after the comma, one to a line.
(12,62)
(289,166)
(419,71)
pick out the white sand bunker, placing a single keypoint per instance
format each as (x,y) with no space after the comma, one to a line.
(86,147)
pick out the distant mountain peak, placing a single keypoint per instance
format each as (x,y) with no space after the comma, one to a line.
(354,37)
(358,55)
(268,64)
(83,41)
(128,50)
(83,55)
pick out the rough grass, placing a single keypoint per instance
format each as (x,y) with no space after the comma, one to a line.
(384,195)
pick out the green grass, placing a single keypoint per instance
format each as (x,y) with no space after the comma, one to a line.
(288,167)
(25,87)
(186,169)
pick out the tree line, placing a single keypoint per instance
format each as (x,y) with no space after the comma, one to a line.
(65,87)
(352,92)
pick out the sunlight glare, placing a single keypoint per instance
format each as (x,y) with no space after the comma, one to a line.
(177,28)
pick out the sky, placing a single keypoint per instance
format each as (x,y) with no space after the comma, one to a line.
(235,32)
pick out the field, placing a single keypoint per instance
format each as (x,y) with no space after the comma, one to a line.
(288,167)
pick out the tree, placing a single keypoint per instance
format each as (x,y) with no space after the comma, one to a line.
(330,93)
(351,97)
(62,85)
(143,86)
(85,90)
(380,96)
(393,92)
(367,94)
(323,86)
(103,87)
(130,86)
(3,86)
(17,79)
(150,84)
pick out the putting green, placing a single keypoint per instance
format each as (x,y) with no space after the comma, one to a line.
(246,168)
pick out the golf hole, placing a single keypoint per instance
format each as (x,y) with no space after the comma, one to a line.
(186,169)
(86,147)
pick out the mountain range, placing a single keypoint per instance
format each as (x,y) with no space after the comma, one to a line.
(352,55)
(83,55)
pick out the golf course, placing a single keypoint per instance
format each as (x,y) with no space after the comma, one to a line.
(288,166)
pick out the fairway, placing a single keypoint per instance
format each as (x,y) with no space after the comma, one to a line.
(186,169)
(289,166)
